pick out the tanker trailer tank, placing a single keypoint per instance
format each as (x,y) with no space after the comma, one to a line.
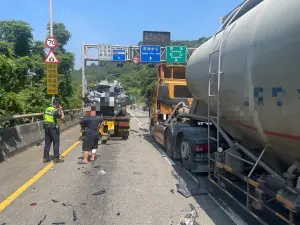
(259,95)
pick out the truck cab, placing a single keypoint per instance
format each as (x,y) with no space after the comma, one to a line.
(171,89)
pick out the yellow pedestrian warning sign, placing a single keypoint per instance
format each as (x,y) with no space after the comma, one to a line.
(52,79)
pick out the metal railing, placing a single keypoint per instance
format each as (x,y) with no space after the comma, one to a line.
(32,117)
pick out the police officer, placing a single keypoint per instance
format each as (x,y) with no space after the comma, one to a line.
(52,117)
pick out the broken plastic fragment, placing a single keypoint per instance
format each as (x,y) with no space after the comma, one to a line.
(34,203)
(190,218)
(53,200)
(99,192)
(74,215)
(42,220)
(101,172)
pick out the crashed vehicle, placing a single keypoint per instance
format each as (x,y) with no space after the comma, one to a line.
(111,102)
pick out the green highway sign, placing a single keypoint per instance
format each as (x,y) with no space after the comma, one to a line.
(176,54)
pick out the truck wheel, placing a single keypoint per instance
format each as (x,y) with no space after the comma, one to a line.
(185,152)
(168,143)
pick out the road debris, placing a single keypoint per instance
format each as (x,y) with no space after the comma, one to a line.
(134,131)
(97,166)
(172,191)
(58,223)
(87,172)
(101,172)
(53,200)
(118,213)
(190,218)
(84,203)
(66,204)
(135,173)
(99,192)
(42,220)
(33,204)
(74,215)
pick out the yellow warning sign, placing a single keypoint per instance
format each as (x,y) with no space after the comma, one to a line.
(52,79)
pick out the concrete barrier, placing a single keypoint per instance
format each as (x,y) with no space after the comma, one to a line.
(18,138)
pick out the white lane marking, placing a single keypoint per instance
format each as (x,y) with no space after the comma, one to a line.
(139,123)
(229,212)
(170,161)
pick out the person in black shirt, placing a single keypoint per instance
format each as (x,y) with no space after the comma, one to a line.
(90,124)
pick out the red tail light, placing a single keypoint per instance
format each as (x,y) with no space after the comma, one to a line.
(200,148)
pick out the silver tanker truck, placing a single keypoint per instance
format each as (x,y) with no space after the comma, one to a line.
(245,83)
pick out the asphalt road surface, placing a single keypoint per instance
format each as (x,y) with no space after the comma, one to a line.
(131,182)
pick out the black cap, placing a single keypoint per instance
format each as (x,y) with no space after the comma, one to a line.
(56,101)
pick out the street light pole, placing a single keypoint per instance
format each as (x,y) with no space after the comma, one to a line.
(51,30)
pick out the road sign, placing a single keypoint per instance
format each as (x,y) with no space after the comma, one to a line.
(51,42)
(51,58)
(119,55)
(156,38)
(176,54)
(136,60)
(150,53)
(52,79)
(104,52)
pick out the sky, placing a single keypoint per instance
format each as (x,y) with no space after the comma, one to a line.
(120,22)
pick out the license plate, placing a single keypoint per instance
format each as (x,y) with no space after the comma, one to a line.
(201,155)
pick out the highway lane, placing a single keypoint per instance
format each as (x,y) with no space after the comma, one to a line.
(137,187)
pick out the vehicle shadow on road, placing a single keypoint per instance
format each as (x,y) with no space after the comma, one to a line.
(196,187)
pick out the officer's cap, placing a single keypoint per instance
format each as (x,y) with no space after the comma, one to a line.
(56,101)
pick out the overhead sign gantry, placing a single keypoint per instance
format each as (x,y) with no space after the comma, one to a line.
(154,50)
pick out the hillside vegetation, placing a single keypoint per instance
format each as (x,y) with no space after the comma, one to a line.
(22,69)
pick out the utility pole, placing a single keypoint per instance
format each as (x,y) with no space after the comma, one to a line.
(51,30)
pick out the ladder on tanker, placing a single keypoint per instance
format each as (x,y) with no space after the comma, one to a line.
(215,119)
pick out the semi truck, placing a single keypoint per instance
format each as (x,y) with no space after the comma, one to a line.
(245,86)
(111,103)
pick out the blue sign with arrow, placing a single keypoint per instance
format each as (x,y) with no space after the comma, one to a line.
(118,55)
(150,53)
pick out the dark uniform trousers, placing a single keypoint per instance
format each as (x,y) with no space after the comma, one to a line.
(51,135)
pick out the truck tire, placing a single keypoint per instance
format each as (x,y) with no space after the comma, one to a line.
(185,152)
(151,129)
(168,143)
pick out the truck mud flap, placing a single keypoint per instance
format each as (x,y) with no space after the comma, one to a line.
(182,189)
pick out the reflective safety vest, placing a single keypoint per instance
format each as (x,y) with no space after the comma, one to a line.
(49,116)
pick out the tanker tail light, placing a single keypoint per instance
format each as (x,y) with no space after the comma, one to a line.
(200,148)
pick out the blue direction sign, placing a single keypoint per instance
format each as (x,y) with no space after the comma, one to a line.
(150,53)
(118,55)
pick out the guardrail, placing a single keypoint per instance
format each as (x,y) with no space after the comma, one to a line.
(33,116)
